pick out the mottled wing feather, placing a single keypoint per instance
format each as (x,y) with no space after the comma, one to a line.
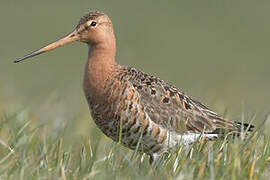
(169,107)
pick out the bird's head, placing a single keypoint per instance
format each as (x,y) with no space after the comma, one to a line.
(93,28)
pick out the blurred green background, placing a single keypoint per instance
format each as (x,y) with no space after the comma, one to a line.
(216,51)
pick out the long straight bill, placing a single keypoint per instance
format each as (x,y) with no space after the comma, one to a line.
(65,40)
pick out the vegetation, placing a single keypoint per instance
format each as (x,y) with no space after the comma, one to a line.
(31,150)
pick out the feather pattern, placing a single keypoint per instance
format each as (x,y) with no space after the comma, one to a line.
(169,107)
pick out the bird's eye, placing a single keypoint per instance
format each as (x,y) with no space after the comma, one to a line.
(93,23)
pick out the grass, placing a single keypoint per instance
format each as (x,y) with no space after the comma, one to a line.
(32,150)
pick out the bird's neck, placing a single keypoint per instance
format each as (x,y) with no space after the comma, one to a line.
(100,67)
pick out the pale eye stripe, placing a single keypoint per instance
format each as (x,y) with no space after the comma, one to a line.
(89,23)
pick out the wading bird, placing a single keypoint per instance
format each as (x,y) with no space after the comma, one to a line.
(129,105)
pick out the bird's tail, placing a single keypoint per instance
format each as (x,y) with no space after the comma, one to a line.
(241,129)
(244,128)
(235,129)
